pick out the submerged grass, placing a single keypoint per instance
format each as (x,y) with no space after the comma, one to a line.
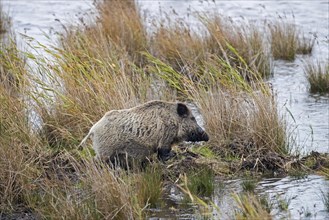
(318,76)
(251,206)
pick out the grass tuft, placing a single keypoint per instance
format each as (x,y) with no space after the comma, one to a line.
(284,40)
(201,183)
(149,187)
(318,76)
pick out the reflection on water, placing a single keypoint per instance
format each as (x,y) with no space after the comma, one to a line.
(304,195)
(310,113)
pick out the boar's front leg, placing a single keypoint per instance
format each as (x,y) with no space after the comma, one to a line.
(165,154)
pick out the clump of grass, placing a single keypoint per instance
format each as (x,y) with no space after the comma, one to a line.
(287,40)
(318,76)
(283,204)
(201,183)
(251,206)
(284,40)
(18,152)
(204,151)
(305,44)
(249,185)
(243,46)
(5,22)
(229,123)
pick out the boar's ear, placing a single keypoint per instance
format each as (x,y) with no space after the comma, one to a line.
(182,110)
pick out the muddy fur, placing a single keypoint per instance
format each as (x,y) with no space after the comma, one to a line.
(140,131)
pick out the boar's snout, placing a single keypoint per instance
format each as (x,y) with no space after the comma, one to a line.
(199,135)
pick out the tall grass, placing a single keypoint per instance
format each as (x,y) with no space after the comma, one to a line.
(18,146)
(123,25)
(183,52)
(85,86)
(237,43)
(318,76)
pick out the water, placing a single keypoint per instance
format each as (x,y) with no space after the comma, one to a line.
(42,19)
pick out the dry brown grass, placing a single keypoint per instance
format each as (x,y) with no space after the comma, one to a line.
(305,44)
(122,23)
(284,40)
(179,46)
(17,149)
(248,121)
(87,190)
(287,40)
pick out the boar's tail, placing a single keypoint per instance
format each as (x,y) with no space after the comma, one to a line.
(83,142)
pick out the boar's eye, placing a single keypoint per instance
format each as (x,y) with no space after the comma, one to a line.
(193,118)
